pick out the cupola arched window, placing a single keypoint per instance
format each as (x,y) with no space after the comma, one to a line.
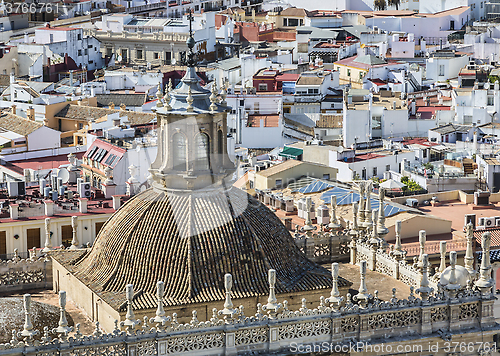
(179,152)
(202,151)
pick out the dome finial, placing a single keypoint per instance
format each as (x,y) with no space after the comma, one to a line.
(191,41)
(158,95)
(166,98)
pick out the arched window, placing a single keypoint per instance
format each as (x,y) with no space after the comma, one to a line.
(179,152)
(202,151)
(220,144)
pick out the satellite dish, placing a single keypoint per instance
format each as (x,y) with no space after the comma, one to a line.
(63,174)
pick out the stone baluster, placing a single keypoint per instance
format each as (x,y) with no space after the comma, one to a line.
(272,305)
(335,299)
(228,310)
(130,322)
(368,209)
(48,244)
(28,333)
(453,286)
(362,297)
(485,282)
(424,290)
(63,329)
(469,254)
(442,264)
(74,226)
(160,319)
(422,237)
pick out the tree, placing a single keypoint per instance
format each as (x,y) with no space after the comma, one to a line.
(380,5)
(395,3)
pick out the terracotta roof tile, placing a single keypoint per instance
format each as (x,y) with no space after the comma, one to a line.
(18,124)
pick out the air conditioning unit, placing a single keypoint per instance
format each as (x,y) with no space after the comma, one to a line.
(481,221)
(84,190)
(497,221)
(16,188)
(489,222)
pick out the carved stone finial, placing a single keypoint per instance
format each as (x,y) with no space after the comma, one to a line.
(48,244)
(223,94)
(28,333)
(453,285)
(382,229)
(213,97)
(189,100)
(362,295)
(74,226)
(397,246)
(166,98)
(422,237)
(272,305)
(334,223)
(485,282)
(63,329)
(130,322)
(160,319)
(229,310)
(335,299)
(424,290)
(442,250)
(159,95)
(469,254)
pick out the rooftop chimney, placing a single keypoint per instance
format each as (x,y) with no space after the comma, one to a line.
(30,113)
(14,109)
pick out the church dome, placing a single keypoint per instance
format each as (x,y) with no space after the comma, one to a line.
(189,241)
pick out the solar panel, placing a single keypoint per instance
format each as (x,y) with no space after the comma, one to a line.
(109,159)
(91,152)
(101,155)
(314,187)
(346,197)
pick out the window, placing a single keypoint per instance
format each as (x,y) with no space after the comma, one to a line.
(452,25)
(79,52)
(441,69)
(86,51)
(202,152)
(326,176)
(262,86)
(220,144)
(197,8)
(374,171)
(139,54)
(66,235)
(256,107)
(481,4)
(242,102)
(293,22)
(33,237)
(388,168)
(51,38)
(361,74)
(109,51)
(156,55)
(179,152)
(363,174)
(80,126)
(285,22)
(491,101)
(348,72)
(278,183)
(424,154)
(79,37)
(313,91)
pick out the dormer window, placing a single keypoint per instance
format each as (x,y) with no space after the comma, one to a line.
(179,152)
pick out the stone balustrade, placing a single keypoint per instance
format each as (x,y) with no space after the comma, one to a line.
(324,247)
(274,329)
(162,36)
(17,275)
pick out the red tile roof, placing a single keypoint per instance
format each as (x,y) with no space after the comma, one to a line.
(42,163)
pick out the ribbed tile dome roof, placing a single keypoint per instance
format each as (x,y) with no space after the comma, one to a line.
(189,241)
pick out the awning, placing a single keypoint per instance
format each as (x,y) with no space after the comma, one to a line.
(291,152)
